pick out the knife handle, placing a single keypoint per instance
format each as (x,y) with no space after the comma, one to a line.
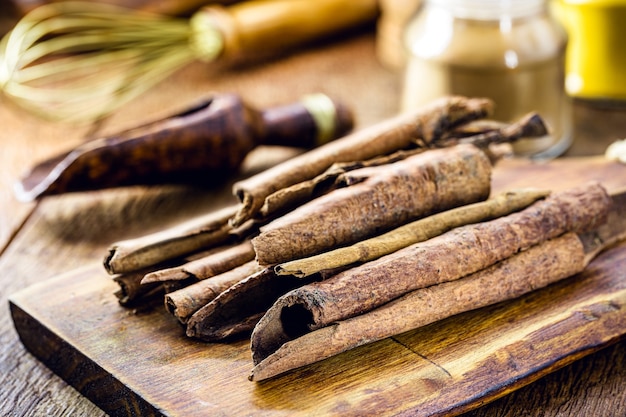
(267,26)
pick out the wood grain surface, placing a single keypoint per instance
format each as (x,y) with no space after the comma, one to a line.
(41,240)
(139,362)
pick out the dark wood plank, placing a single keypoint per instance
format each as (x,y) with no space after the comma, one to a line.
(141,363)
(74,325)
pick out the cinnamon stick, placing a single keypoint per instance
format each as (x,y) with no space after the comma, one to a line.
(447,257)
(534,268)
(530,125)
(131,292)
(238,309)
(184,302)
(377,200)
(414,232)
(246,301)
(291,197)
(421,126)
(519,274)
(191,236)
(207,266)
(486,135)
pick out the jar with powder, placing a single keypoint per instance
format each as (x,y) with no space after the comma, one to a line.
(511,51)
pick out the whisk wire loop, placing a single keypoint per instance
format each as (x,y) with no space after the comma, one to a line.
(76,61)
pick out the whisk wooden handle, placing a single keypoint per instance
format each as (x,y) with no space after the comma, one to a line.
(265,26)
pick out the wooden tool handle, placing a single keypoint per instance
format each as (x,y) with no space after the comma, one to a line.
(303,123)
(265,26)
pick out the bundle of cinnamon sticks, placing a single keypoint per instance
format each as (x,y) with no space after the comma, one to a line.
(381,231)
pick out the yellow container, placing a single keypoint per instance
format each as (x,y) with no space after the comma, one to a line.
(596,52)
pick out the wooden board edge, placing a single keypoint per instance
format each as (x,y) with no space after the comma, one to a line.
(76,369)
(498,392)
(115,398)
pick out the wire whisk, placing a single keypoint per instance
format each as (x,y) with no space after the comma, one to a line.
(78,61)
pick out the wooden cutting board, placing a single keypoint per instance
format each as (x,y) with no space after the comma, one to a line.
(139,363)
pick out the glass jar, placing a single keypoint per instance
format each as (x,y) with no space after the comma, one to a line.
(511,51)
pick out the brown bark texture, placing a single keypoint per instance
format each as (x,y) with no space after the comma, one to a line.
(422,126)
(494,138)
(183,303)
(516,275)
(190,236)
(238,309)
(207,266)
(414,232)
(376,200)
(447,257)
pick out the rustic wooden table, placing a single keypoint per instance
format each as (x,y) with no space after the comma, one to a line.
(57,234)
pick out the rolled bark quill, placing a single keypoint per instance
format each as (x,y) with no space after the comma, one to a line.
(238,309)
(377,200)
(414,232)
(448,257)
(202,145)
(421,126)
(184,302)
(207,266)
(185,238)
(526,271)
(483,133)
(249,299)
(131,292)
(180,240)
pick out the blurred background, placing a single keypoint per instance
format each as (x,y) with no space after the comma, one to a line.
(592,66)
